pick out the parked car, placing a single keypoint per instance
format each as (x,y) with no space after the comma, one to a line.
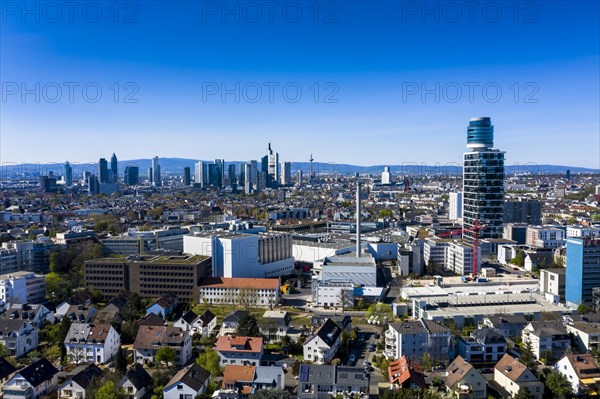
(351,358)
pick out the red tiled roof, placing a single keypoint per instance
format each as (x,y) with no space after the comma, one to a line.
(403,370)
(228,344)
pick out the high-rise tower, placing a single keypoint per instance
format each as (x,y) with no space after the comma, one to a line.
(156,179)
(68,174)
(114,168)
(483,181)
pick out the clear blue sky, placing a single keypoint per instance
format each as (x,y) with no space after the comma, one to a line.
(373,57)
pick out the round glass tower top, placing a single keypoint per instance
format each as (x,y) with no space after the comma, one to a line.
(480,133)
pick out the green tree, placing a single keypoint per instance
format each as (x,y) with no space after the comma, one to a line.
(248,326)
(385,213)
(523,394)
(166,355)
(134,308)
(121,361)
(57,288)
(519,260)
(426,361)
(527,356)
(3,352)
(55,262)
(110,391)
(583,309)
(209,360)
(559,385)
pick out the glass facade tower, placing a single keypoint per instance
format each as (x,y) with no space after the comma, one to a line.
(483,181)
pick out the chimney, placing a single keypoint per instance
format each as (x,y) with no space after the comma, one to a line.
(358,219)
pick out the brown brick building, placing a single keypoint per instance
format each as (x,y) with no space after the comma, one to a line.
(148,275)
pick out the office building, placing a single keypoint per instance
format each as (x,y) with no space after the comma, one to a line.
(231,175)
(552,284)
(516,232)
(415,338)
(286,173)
(545,237)
(68,174)
(242,175)
(455,207)
(583,270)
(386,176)
(22,287)
(242,291)
(48,184)
(132,175)
(237,254)
(150,175)
(149,276)
(272,167)
(114,168)
(201,174)
(156,177)
(583,231)
(187,176)
(483,181)
(523,211)
(103,175)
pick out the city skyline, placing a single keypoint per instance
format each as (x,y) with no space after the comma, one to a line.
(370,94)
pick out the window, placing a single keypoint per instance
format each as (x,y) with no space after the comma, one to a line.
(180,386)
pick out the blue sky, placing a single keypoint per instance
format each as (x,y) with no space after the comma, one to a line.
(397,81)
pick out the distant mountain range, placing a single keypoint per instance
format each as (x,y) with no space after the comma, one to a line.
(174,166)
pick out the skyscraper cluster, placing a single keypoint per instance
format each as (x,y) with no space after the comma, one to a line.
(271,173)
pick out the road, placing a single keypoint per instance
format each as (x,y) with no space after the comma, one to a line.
(362,354)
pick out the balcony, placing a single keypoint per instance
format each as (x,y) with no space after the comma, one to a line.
(390,334)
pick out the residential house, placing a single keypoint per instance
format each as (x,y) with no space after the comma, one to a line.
(150,339)
(76,386)
(136,382)
(276,324)
(163,306)
(463,381)
(203,324)
(231,321)
(323,345)
(513,375)
(586,334)
(36,314)
(91,343)
(582,372)
(415,338)
(323,381)
(187,383)
(549,339)
(343,321)
(32,382)
(405,373)
(151,319)
(75,313)
(6,371)
(510,326)
(18,336)
(243,381)
(246,351)
(483,345)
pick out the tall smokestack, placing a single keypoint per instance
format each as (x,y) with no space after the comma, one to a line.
(358,219)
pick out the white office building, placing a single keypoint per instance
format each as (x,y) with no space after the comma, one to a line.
(455,207)
(243,255)
(22,287)
(386,176)
(545,237)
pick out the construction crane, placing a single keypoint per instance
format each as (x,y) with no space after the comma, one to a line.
(475,229)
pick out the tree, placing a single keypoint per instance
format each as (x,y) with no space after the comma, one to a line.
(134,308)
(345,299)
(527,356)
(519,260)
(121,361)
(269,327)
(559,385)
(248,326)
(57,288)
(109,391)
(166,355)
(55,262)
(523,394)
(3,352)
(583,309)
(426,361)
(210,360)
